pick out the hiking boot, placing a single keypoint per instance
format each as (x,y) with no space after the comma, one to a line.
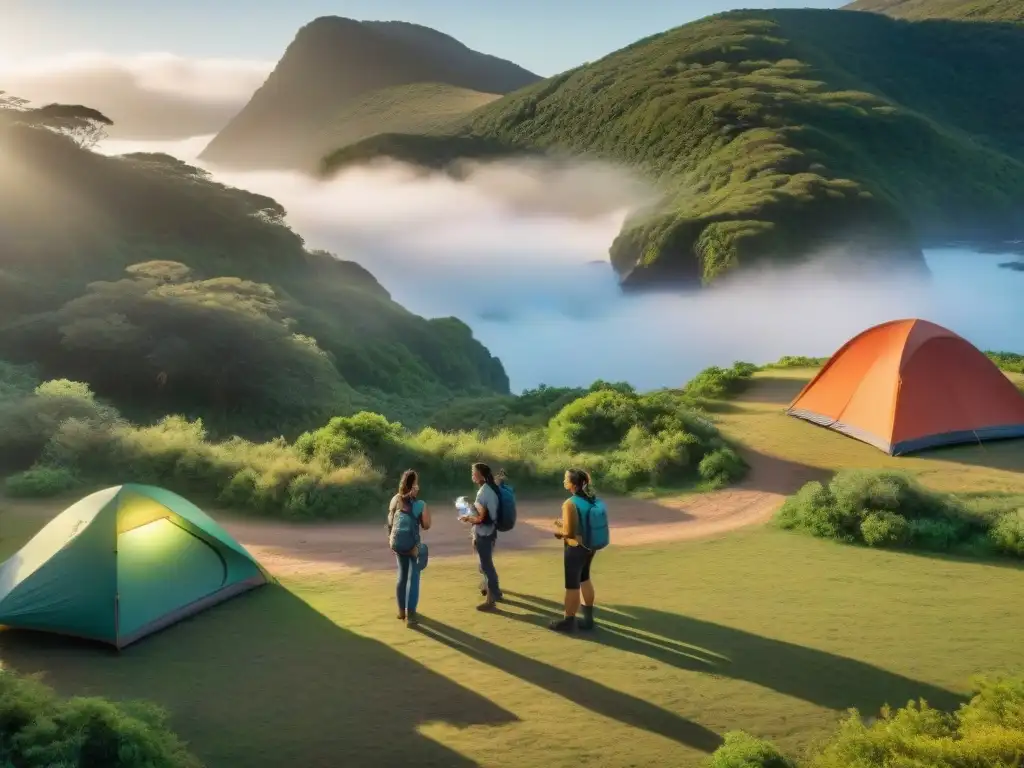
(587,622)
(566,624)
(411,620)
(401,615)
(488,605)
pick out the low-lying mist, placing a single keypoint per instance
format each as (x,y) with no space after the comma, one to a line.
(519,252)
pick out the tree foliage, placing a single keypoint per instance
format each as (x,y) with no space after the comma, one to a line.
(168,291)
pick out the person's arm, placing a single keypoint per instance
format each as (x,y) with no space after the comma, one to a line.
(481,514)
(568,528)
(425,518)
(480,510)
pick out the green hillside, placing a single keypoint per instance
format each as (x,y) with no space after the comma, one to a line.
(342,80)
(168,292)
(780,134)
(972,10)
(416,108)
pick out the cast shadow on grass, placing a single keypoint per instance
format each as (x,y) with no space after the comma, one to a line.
(1006,455)
(581,691)
(265,680)
(818,677)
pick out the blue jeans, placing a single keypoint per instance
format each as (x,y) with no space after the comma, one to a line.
(408,587)
(485,553)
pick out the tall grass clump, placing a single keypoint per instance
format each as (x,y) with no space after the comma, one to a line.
(987,731)
(888,509)
(38,729)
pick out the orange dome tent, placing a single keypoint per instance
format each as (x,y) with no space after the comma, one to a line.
(907,385)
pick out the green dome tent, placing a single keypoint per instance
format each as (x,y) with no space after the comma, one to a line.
(121,564)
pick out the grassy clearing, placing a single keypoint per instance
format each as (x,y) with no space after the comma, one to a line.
(754,633)
(980,474)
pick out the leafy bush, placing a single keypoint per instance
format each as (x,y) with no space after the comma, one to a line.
(987,731)
(40,730)
(594,421)
(29,420)
(721,466)
(40,482)
(715,383)
(1007,534)
(881,509)
(741,750)
(884,529)
(798,361)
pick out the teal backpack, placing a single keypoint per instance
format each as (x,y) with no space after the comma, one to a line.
(594,533)
(404,529)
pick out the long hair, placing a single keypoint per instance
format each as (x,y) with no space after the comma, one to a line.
(580,480)
(485,472)
(407,484)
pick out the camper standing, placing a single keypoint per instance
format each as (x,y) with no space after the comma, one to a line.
(485,531)
(407,515)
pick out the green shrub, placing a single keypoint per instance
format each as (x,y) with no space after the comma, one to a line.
(28,422)
(881,509)
(987,731)
(594,421)
(40,730)
(740,750)
(722,466)
(40,482)
(715,383)
(1007,534)
(884,529)
(798,361)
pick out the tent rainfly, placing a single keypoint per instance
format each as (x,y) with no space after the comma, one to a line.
(121,564)
(908,385)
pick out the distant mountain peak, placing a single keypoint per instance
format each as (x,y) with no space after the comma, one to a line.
(334,61)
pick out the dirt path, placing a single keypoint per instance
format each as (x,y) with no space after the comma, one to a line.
(292,550)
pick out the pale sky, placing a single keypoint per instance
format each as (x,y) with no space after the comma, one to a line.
(545,36)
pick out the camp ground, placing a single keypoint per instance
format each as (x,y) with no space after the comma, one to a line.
(712,619)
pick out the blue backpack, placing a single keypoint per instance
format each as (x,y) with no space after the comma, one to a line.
(404,528)
(506,508)
(594,533)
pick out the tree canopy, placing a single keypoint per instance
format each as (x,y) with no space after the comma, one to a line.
(168,291)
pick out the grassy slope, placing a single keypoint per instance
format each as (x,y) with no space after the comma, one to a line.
(753,634)
(333,66)
(416,108)
(971,10)
(70,218)
(779,132)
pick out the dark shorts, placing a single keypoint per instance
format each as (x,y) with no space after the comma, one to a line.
(577,566)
